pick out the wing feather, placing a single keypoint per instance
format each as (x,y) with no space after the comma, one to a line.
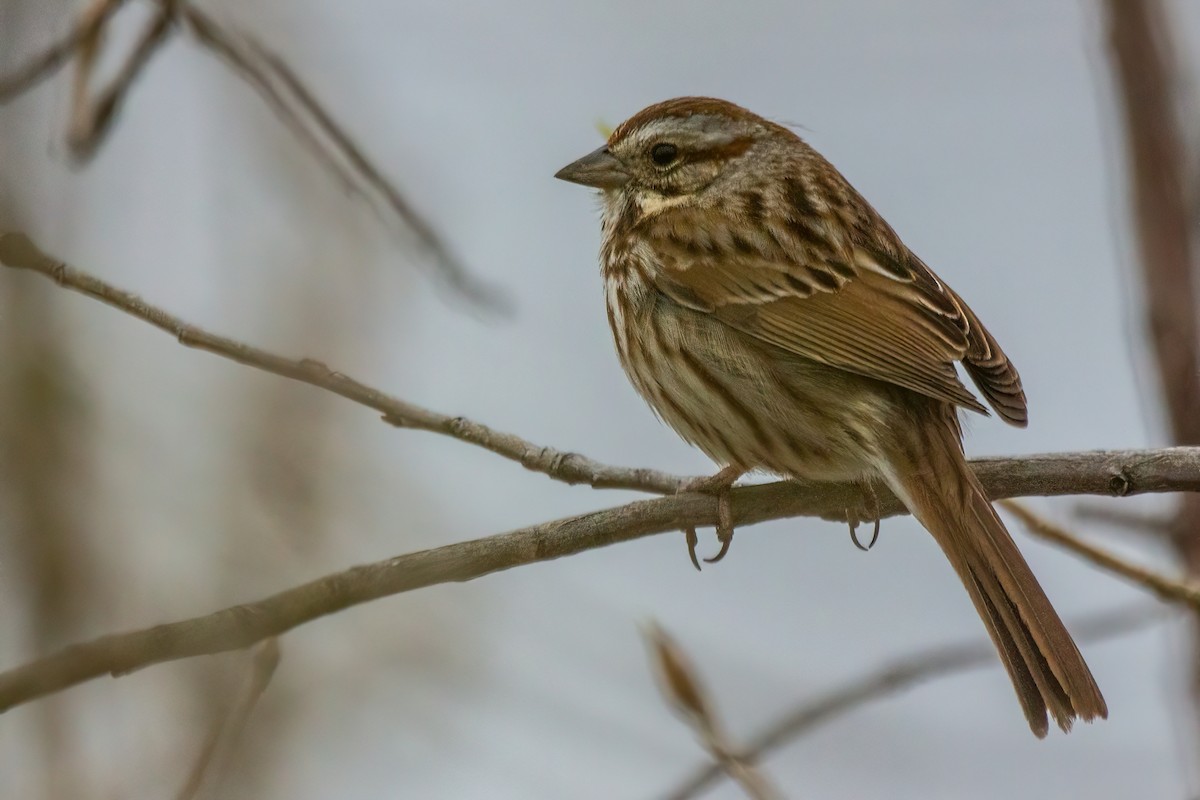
(873,309)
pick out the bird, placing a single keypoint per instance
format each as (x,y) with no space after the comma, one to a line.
(770,316)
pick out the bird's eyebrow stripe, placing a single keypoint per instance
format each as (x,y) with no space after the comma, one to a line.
(721,152)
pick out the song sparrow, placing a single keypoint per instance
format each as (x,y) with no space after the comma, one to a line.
(771,317)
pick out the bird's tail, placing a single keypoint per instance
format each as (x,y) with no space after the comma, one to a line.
(928,471)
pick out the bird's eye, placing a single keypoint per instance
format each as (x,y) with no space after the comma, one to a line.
(663,153)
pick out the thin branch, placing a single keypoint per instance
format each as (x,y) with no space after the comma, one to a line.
(681,687)
(457,274)
(900,676)
(227,731)
(300,111)
(277,83)
(54,57)
(237,55)
(1167,589)
(1133,472)
(18,252)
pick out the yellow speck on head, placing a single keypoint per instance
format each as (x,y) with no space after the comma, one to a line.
(604,128)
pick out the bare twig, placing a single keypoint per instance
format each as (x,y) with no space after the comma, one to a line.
(1170,470)
(237,54)
(18,252)
(92,119)
(227,731)
(682,689)
(900,676)
(275,81)
(301,112)
(1167,589)
(452,269)
(54,57)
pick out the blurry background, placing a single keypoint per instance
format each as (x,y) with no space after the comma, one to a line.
(141,482)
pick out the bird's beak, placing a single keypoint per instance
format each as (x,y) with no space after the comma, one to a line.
(598,168)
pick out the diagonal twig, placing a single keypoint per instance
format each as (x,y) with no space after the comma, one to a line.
(91,120)
(301,112)
(275,81)
(681,687)
(1174,469)
(242,60)
(1135,522)
(900,676)
(1167,589)
(18,252)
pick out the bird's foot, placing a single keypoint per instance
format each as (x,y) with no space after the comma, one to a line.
(720,486)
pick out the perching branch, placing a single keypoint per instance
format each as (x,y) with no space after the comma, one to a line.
(900,676)
(1112,474)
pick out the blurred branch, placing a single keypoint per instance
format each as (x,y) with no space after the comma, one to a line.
(300,111)
(901,676)
(1144,68)
(91,120)
(228,729)
(18,252)
(1134,472)
(1167,589)
(1140,522)
(238,55)
(277,83)
(54,57)
(682,689)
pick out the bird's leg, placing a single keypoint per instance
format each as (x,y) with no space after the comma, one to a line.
(873,510)
(720,486)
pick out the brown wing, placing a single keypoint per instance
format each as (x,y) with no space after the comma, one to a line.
(854,307)
(992,372)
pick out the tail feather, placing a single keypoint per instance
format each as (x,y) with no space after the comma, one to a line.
(930,474)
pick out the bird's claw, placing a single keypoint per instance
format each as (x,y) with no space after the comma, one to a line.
(873,511)
(692,541)
(854,535)
(724,526)
(726,541)
(720,485)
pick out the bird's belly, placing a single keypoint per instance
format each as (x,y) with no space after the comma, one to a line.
(743,401)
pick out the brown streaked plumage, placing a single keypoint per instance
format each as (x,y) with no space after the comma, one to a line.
(771,317)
